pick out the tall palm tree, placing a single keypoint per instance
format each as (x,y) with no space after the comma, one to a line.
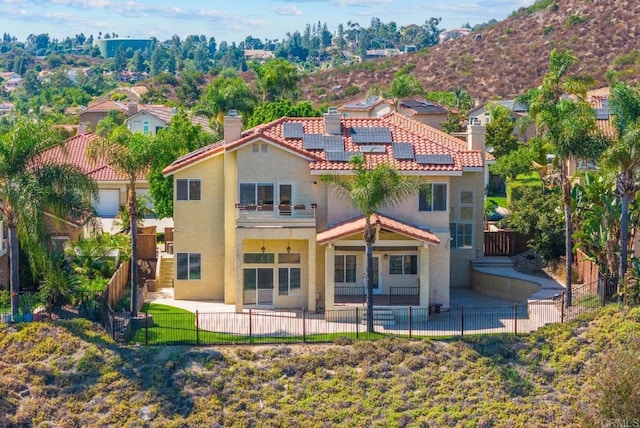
(368,190)
(404,85)
(129,154)
(30,186)
(569,126)
(624,157)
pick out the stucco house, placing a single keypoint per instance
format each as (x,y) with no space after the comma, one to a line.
(151,119)
(481,115)
(256,227)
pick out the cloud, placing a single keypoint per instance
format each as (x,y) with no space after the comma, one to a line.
(292,10)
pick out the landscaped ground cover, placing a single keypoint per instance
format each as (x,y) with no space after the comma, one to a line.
(583,373)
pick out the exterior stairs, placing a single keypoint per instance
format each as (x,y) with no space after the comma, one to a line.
(381,316)
(165,275)
(492,262)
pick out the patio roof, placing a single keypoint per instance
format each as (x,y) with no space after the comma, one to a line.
(357,224)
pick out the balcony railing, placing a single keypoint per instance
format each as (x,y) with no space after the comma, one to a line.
(268,212)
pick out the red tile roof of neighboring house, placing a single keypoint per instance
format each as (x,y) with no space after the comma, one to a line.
(357,224)
(104,106)
(424,139)
(73,152)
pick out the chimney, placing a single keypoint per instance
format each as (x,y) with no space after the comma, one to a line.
(477,101)
(476,137)
(332,122)
(132,108)
(232,127)
(82,129)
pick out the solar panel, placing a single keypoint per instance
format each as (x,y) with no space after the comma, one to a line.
(313,141)
(293,130)
(602,113)
(373,149)
(435,159)
(333,145)
(402,150)
(340,156)
(361,135)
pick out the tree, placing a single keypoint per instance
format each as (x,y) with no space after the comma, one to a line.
(277,79)
(368,190)
(569,126)
(403,86)
(30,187)
(500,131)
(624,157)
(268,112)
(514,163)
(130,155)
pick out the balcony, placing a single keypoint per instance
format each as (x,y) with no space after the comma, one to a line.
(248,215)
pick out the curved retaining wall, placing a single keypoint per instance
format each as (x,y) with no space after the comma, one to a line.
(503,287)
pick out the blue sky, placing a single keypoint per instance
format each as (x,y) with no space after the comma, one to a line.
(232,20)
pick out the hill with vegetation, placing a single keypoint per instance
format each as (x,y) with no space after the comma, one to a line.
(582,373)
(505,59)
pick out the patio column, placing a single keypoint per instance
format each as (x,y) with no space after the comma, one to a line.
(423,257)
(329,277)
(311,275)
(238,278)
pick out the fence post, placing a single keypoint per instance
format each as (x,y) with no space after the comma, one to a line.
(250,328)
(304,325)
(197,328)
(146,328)
(410,320)
(515,319)
(562,308)
(462,320)
(357,322)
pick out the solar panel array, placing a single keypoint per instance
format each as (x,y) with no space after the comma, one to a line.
(435,159)
(293,130)
(321,141)
(402,151)
(340,156)
(371,135)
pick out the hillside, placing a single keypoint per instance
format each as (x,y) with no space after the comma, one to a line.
(70,374)
(510,57)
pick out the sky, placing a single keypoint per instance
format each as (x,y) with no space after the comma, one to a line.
(232,20)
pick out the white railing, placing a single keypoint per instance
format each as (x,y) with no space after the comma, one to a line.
(249,212)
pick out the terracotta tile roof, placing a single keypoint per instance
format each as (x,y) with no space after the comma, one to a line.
(73,152)
(194,156)
(105,106)
(424,139)
(357,224)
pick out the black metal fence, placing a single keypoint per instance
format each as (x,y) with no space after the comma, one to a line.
(295,326)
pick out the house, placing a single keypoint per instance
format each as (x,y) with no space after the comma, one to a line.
(13,84)
(150,119)
(99,109)
(421,110)
(256,227)
(112,187)
(5,108)
(454,33)
(481,115)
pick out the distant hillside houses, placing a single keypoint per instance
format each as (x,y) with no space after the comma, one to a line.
(454,33)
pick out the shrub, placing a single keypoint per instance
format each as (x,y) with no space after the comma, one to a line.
(574,20)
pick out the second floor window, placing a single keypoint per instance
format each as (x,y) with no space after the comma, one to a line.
(188,190)
(433,197)
(257,193)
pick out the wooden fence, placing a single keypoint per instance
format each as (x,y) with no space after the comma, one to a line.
(587,270)
(147,247)
(504,243)
(117,283)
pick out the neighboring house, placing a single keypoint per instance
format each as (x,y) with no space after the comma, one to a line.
(372,106)
(454,33)
(5,108)
(8,75)
(480,115)
(258,54)
(99,109)
(13,84)
(150,119)
(427,112)
(112,188)
(256,227)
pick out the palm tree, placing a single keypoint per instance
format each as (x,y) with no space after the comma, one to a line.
(31,186)
(569,126)
(404,85)
(368,190)
(129,154)
(624,156)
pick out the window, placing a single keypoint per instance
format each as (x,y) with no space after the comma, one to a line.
(288,280)
(188,266)
(188,190)
(256,193)
(406,264)
(433,198)
(461,235)
(58,244)
(345,268)
(145,127)
(466,205)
